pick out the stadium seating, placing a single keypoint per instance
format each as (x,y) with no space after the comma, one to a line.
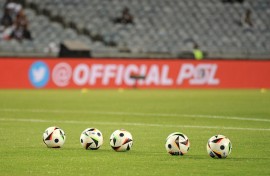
(160,26)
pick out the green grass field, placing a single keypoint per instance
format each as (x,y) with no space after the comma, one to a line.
(150,115)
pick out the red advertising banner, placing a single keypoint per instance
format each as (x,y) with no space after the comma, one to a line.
(105,73)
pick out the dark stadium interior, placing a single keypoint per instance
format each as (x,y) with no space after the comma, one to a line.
(135,28)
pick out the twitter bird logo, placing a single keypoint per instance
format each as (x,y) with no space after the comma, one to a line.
(39,74)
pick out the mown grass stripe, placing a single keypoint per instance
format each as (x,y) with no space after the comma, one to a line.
(132,124)
(135,114)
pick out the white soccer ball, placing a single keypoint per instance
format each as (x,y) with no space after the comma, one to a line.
(219,146)
(177,143)
(91,138)
(121,140)
(54,137)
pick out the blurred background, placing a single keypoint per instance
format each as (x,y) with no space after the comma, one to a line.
(224,29)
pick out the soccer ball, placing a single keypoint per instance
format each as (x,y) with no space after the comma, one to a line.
(91,138)
(177,144)
(121,140)
(219,146)
(54,137)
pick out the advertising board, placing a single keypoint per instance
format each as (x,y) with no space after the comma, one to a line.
(24,73)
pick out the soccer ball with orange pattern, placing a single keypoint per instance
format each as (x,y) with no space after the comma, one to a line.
(54,137)
(177,143)
(219,146)
(121,140)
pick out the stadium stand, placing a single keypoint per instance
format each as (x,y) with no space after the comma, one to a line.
(161,28)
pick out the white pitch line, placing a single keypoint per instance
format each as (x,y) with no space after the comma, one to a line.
(131,124)
(135,114)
